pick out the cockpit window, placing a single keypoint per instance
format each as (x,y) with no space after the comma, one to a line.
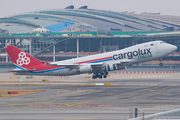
(162,42)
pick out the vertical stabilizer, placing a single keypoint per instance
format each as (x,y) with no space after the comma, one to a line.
(21,58)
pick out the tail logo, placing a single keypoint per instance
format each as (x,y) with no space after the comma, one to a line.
(23,59)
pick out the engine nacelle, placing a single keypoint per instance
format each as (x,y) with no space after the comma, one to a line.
(85,69)
(112,67)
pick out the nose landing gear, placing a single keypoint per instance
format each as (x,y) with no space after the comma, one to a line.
(160,64)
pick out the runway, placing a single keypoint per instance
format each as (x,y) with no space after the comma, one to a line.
(78,98)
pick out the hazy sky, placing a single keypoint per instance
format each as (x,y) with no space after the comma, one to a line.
(166,7)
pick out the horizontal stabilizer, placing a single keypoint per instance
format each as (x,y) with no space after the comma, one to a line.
(22,70)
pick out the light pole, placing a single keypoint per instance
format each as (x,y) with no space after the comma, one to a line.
(142,112)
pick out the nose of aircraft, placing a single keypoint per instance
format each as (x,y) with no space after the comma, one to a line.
(172,48)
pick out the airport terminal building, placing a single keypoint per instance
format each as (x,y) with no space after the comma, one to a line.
(59,34)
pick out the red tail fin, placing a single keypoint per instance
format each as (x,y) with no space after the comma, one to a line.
(20,58)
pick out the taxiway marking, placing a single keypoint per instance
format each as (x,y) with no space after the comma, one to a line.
(144,92)
(64,94)
(79,103)
(76,119)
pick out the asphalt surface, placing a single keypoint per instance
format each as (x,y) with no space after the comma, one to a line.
(78,98)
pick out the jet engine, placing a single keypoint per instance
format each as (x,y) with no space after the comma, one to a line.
(85,69)
(112,67)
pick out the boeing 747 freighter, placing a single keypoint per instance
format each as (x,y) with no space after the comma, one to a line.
(98,65)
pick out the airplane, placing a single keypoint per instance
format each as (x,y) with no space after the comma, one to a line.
(98,64)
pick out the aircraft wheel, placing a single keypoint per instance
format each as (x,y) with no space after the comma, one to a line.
(94,77)
(105,76)
(106,73)
(160,64)
(100,77)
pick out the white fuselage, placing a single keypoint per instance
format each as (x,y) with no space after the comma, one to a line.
(131,55)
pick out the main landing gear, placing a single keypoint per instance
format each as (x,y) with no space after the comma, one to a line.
(100,75)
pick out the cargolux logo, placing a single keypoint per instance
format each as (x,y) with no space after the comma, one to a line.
(22,59)
(142,54)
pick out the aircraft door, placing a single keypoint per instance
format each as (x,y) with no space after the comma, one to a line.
(158,51)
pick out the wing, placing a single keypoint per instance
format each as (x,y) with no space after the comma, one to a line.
(22,70)
(69,66)
(95,66)
(122,62)
(120,65)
